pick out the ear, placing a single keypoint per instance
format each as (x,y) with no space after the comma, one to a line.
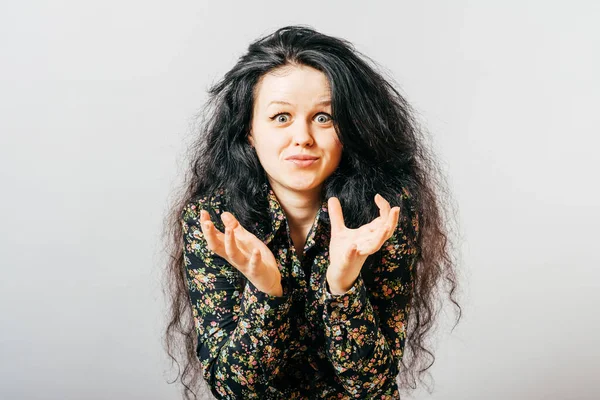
(251,139)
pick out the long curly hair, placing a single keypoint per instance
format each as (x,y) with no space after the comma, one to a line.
(384,150)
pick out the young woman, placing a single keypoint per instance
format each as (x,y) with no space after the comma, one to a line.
(309,243)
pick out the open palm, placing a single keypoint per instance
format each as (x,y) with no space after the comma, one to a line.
(349,248)
(244,251)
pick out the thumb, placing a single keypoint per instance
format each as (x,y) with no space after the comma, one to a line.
(336,215)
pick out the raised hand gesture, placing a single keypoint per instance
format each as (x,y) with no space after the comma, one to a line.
(244,251)
(349,248)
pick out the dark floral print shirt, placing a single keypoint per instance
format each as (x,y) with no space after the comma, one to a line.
(308,343)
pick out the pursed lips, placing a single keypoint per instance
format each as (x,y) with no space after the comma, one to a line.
(302,157)
(302,160)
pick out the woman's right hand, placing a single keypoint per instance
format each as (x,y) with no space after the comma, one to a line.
(244,251)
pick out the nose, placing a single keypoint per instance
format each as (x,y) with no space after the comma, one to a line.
(302,135)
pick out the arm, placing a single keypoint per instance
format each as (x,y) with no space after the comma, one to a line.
(240,329)
(365,328)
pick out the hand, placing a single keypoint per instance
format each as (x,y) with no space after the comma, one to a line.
(244,251)
(349,248)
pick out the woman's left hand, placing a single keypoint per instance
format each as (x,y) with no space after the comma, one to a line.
(349,248)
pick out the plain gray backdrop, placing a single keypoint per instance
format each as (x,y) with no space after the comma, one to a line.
(97,100)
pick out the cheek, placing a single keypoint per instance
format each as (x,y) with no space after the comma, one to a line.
(335,147)
(268,148)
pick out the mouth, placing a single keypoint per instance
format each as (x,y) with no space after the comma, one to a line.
(303,163)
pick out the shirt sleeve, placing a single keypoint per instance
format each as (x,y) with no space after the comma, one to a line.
(365,328)
(241,331)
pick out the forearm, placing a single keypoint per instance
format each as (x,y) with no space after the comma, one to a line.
(243,363)
(356,346)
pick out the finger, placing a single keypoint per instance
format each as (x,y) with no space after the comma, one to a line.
(351,254)
(336,216)
(231,249)
(371,244)
(254,261)
(373,241)
(390,225)
(229,220)
(357,251)
(396,219)
(213,237)
(241,234)
(384,206)
(386,232)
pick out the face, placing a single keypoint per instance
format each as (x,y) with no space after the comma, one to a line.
(291,117)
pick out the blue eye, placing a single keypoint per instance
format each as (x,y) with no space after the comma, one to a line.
(322,118)
(327,118)
(278,117)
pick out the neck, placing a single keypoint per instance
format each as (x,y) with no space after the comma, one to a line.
(300,207)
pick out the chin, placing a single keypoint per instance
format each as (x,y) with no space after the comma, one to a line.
(305,187)
(297,183)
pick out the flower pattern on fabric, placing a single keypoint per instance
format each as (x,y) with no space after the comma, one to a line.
(308,343)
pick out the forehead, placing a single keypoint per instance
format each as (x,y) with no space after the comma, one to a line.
(292,84)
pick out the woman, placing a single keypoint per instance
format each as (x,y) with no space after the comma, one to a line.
(310,230)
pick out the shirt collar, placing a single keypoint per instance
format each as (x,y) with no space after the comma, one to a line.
(277,215)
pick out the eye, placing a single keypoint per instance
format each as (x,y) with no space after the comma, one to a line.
(323,118)
(281,117)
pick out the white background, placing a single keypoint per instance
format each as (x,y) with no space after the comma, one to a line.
(96,103)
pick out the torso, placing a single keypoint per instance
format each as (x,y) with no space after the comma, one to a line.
(299,240)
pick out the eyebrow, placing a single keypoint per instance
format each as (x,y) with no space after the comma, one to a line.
(322,102)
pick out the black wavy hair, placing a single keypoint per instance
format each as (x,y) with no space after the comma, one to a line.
(384,151)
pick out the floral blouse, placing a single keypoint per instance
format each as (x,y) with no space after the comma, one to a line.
(308,343)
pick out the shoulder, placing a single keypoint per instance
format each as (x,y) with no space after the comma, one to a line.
(406,195)
(409,221)
(214,203)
